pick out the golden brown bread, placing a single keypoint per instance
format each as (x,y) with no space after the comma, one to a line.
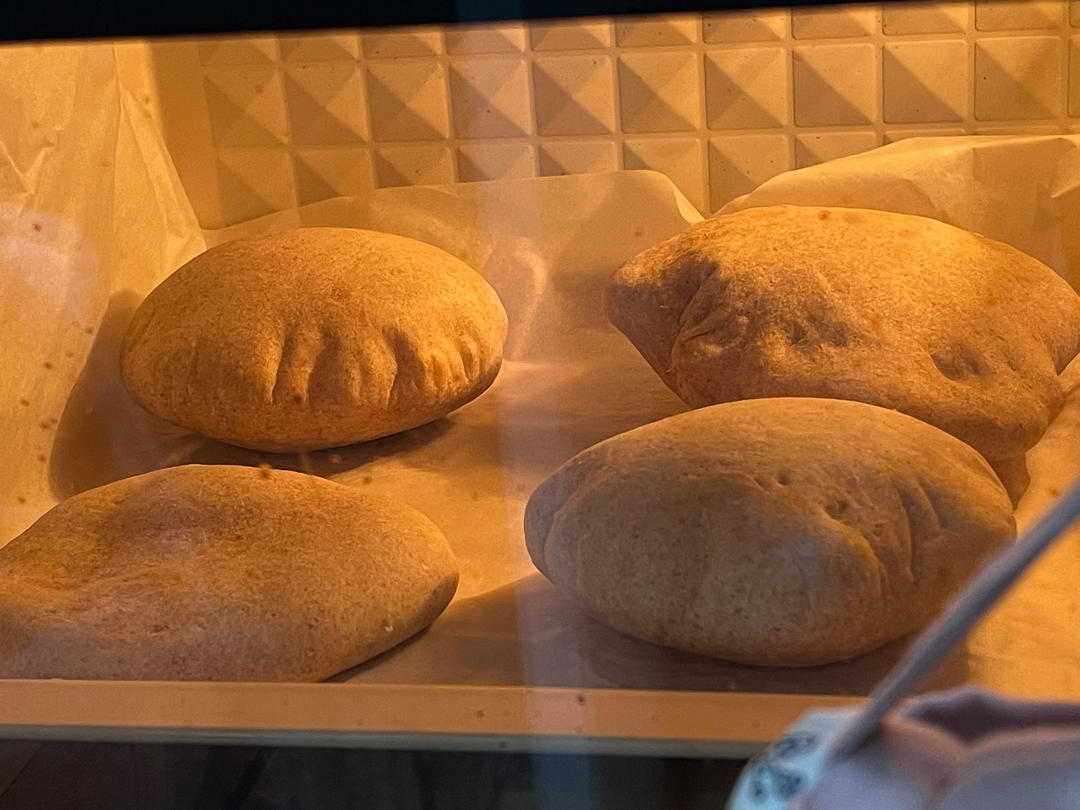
(313,338)
(218,573)
(788,531)
(905,312)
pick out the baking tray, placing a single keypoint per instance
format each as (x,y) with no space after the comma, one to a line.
(513,664)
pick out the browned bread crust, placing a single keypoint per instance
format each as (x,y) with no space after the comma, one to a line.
(314,337)
(218,573)
(900,311)
(786,532)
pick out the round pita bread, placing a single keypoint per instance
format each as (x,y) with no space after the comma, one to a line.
(218,573)
(900,311)
(313,338)
(787,532)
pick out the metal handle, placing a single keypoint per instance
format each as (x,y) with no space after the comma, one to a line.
(957,620)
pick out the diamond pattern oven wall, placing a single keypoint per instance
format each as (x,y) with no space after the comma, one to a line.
(717,102)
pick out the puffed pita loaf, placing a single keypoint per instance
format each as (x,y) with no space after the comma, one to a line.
(905,312)
(785,532)
(218,573)
(314,337)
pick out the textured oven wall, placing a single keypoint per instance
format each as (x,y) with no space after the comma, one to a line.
(718,102)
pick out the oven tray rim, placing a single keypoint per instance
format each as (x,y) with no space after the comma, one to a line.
(594,721)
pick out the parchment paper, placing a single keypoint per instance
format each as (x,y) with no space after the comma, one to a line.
(547,246)
(1022,190)
(90,207)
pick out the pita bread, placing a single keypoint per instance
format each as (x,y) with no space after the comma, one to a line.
(785,532)
(900,311)
(218,573)
(313,338)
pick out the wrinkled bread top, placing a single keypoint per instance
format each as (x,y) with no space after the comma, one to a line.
(900,311)
(802,460)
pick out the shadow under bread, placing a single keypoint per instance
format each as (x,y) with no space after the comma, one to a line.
(529,632)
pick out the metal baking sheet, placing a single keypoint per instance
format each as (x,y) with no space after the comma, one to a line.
(511,658)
